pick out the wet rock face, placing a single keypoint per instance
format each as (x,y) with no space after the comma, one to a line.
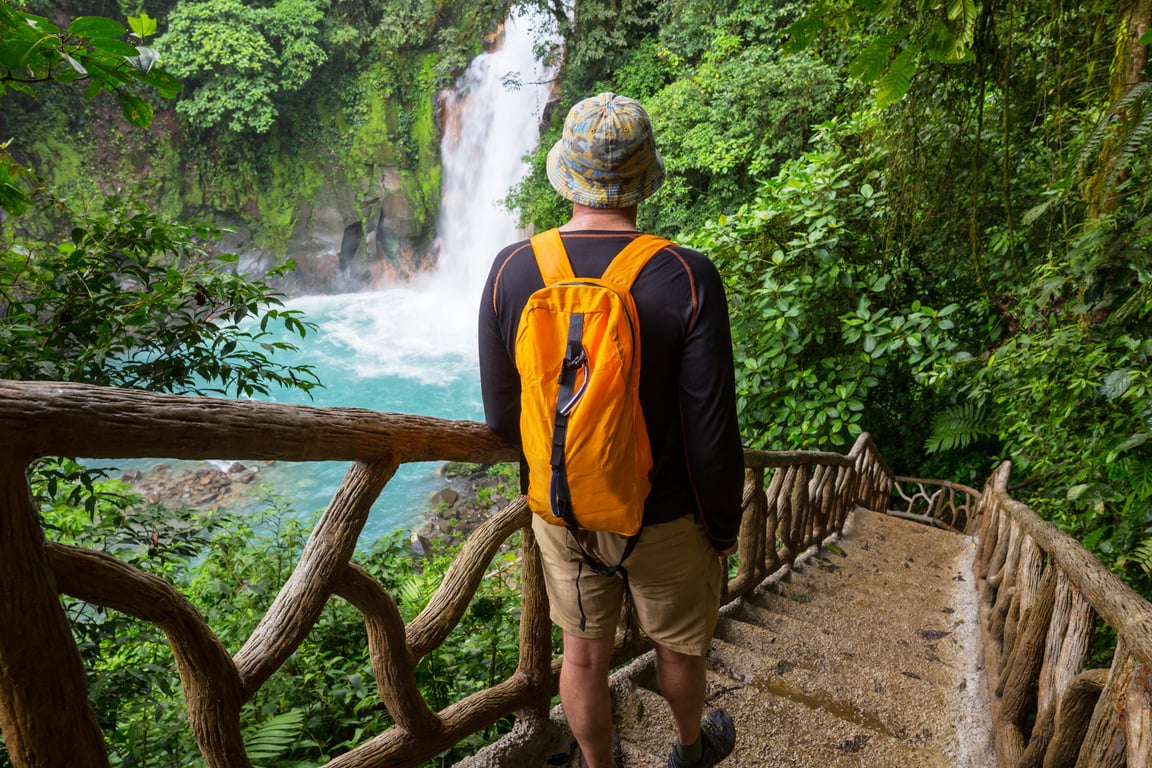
(349,236)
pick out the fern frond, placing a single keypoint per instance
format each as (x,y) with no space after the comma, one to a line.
(1133,108)
(269,740)
(1141,555)
(1140,475)
(1115,384)
(1137,305)
(957,427)
(896,83)
(1136,126)
(803,32)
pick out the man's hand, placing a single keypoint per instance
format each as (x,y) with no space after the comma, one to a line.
(729,551)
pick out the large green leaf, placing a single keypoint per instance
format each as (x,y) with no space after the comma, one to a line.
(895,84)
(114,46)
(135,109)
(143,26)
(165,84)
(962,13)
(871,63)
(96,27)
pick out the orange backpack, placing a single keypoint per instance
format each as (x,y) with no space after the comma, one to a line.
(578,354)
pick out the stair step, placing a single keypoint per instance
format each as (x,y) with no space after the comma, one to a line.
(861,656)
(772,731)
(867,564)
(932,651)
(881,700)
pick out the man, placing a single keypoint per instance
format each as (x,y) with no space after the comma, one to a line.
(606,163)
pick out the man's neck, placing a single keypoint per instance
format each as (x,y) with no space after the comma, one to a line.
(587,217)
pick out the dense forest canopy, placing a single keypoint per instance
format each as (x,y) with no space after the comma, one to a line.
(933,220)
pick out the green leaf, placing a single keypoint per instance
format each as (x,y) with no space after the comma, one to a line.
(870,64)
(958,42)
(1076,491)
(113,46)
(96,27)
(802,33)
(143,26)
(12,199)
(165,84)
(1146,38)
(135,109)
(895,84)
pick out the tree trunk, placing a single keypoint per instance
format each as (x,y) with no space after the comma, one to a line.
(44,710)
(1128,66)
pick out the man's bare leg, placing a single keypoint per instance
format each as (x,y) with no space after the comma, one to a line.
(585,698)
(682,682)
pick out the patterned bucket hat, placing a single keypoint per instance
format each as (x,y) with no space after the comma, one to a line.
(607,156)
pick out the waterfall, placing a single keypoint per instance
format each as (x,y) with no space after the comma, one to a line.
(426,329)
(492,119)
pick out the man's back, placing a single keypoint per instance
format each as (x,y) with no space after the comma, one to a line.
(686,380)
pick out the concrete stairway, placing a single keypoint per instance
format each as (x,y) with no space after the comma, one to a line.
(867,654)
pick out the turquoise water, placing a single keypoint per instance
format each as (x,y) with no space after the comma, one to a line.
(402,351)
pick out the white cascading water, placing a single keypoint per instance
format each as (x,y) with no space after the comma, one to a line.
(495,125)
(412,348)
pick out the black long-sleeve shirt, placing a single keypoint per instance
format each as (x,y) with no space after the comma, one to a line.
(687,381)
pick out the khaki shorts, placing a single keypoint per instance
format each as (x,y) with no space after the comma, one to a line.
(673,573)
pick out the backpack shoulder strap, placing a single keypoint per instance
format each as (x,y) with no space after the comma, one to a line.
(551,257)
(628,263)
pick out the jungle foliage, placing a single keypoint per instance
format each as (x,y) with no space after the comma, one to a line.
(260,101)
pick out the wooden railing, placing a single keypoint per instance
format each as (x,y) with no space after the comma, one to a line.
(806,500)
(44,711)
(1041,596)
(939,503)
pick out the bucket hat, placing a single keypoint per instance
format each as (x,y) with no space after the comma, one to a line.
(607,156)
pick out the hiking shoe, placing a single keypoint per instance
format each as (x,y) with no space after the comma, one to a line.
(717,738)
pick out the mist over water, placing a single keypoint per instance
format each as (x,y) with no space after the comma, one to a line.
(412,349)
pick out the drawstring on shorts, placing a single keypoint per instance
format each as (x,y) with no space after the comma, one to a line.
(601,569)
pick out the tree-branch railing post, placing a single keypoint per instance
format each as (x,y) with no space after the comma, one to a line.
(40,667)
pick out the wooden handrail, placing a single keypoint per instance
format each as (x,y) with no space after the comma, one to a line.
(1041,596)
(949,505)
(63,419)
